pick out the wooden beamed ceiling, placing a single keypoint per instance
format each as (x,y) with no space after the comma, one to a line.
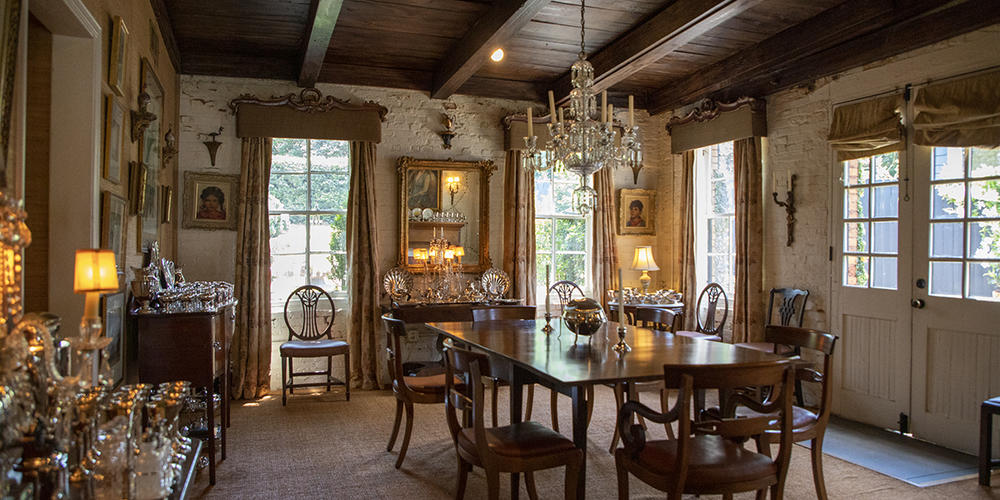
(669,53)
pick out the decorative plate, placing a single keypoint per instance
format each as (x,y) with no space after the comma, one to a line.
(495,283)
(428,213)
(397,283)
(415,213)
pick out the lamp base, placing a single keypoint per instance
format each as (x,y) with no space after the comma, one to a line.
(645,280)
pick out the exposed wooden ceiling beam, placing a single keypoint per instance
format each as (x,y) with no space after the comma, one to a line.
(167,32)
(504,19)
(676,25)
(786,53)
(322,20)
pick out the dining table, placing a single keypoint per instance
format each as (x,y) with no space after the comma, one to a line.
(522,352)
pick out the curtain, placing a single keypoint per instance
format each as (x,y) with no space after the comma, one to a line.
(519,227)
(688,283)
(604,258)
(959,113)
(251,349)
(748,314)
(867,128)
(362,268)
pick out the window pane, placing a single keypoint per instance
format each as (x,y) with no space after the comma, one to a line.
(562,197)
(948,201)
(855,236)
(887,201)
(984,240)
(884,272)
(288,234)
(288,155)
(723,166)
(948,164)
(855,270)
(857,171)
(984,162)
(886,167)
(984,280)
(328,271)
(543,235)
(288,272)
(571,235)
(330,156)
(984,199)
(946,239)
(542,260)
(946,279)
(885,237)
(722,197)
(328,232)
(543,193)
(720,270)
(856,203)
(570,267)
(287,192)
(719,235)
(329,191)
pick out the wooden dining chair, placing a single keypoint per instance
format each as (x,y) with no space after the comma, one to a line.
(309,337)
(806,425)
(789,310)
(709,328)
(408,390)
(565,290)
(524,447)
(502,313)
(708,456)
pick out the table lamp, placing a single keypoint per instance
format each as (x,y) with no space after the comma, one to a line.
(643,261)
(95,274)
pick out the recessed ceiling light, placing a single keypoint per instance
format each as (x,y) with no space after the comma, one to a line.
(497,55)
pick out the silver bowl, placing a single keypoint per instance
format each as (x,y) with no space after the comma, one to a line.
(584,316)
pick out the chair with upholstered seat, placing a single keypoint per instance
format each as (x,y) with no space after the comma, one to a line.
(565,291)
(790,309)
(708,456)
(709,328)
(309,336)
(408,390)
(523,447)
(502,313)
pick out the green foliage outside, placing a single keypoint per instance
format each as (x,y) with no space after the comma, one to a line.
(984,202)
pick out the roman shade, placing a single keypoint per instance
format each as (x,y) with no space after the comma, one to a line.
(308,116)
(714,122)
(867,128)
(959,113)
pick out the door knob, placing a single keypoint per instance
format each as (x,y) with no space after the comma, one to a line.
(917,303)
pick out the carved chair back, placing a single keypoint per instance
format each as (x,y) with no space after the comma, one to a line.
(565,290)
(710,297)
(664,320)
(804,338)
(317,313)
(789,307)
(469,367)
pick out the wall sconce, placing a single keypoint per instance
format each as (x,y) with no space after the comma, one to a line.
(212,145)
(142,118)
(789,205)
(453,183)
(169,146)
(449,132)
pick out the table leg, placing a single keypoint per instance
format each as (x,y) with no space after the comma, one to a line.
(578,394)
(516,394)
(210,407)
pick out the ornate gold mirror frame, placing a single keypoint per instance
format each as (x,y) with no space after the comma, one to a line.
(484,168)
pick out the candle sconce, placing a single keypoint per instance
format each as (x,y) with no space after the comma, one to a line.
(212,145)
(141,118)
(789,206)
(449,132)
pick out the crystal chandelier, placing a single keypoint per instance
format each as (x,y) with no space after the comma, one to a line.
(583,144)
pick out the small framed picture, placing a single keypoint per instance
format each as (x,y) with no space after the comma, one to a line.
(113,213)
(114,139)
(137,178)
(114,329)
(167,199)
(210,201)
(116,63)
(636,211)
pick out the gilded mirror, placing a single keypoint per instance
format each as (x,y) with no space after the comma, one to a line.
(444,199)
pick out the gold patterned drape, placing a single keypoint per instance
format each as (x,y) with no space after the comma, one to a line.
(748,314)
(688,281)
(519,227)
(604,258)
(362,268)
(251,349)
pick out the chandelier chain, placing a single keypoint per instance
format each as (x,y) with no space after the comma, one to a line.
(583,49)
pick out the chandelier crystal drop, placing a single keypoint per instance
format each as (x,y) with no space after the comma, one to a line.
(585,142)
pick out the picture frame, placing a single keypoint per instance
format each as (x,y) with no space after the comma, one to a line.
(423,189)
(10,24)
(137,176)
(636,211)
(114,139)
(148,229)
(211,201)
(113,223)
(166,195)
(154,42)
(113,317)
(116,63)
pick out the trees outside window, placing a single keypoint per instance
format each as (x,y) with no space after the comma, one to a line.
(562,235)
(871,221)
(715,217)
(307,203)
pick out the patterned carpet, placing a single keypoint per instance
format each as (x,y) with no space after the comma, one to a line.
(320,446)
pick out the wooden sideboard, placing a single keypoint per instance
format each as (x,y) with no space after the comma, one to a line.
(189,346)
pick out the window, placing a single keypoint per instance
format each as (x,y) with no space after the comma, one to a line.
(562,235)
(871,221)
(965,223)
(307,201)
(715,217)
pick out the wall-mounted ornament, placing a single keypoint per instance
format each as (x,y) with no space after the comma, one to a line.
(449,132)
(169,149)
(141,118)
(789,206)
(212,145)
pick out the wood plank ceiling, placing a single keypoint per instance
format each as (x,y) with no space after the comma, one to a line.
(670,53)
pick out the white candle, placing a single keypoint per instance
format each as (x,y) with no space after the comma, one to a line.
(631,112)
(611,114)
(531,127)
(621,299)
(604,106)
(561,119)
(552,106)
(546,288)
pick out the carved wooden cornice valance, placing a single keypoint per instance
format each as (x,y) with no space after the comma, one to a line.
(308,115)
(309,100)
(709,109)
(712,122)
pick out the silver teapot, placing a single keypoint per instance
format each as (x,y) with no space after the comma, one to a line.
(584,316)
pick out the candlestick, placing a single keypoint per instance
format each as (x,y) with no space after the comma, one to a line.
(604,106)
(621,299)
(631,111)
(531,128)
(788,179)
(552,107)
(546,288)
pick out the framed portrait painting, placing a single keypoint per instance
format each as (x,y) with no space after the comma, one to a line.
(116,63)
(114,139)
(211,201)
(113,213)
(423,188)
(636,211)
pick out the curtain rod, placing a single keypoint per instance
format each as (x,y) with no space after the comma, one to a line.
(914,86)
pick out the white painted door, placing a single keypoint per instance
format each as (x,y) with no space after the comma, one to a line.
(872,291)
(956,329)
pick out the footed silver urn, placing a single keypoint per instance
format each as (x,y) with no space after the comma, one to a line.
(584,316)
